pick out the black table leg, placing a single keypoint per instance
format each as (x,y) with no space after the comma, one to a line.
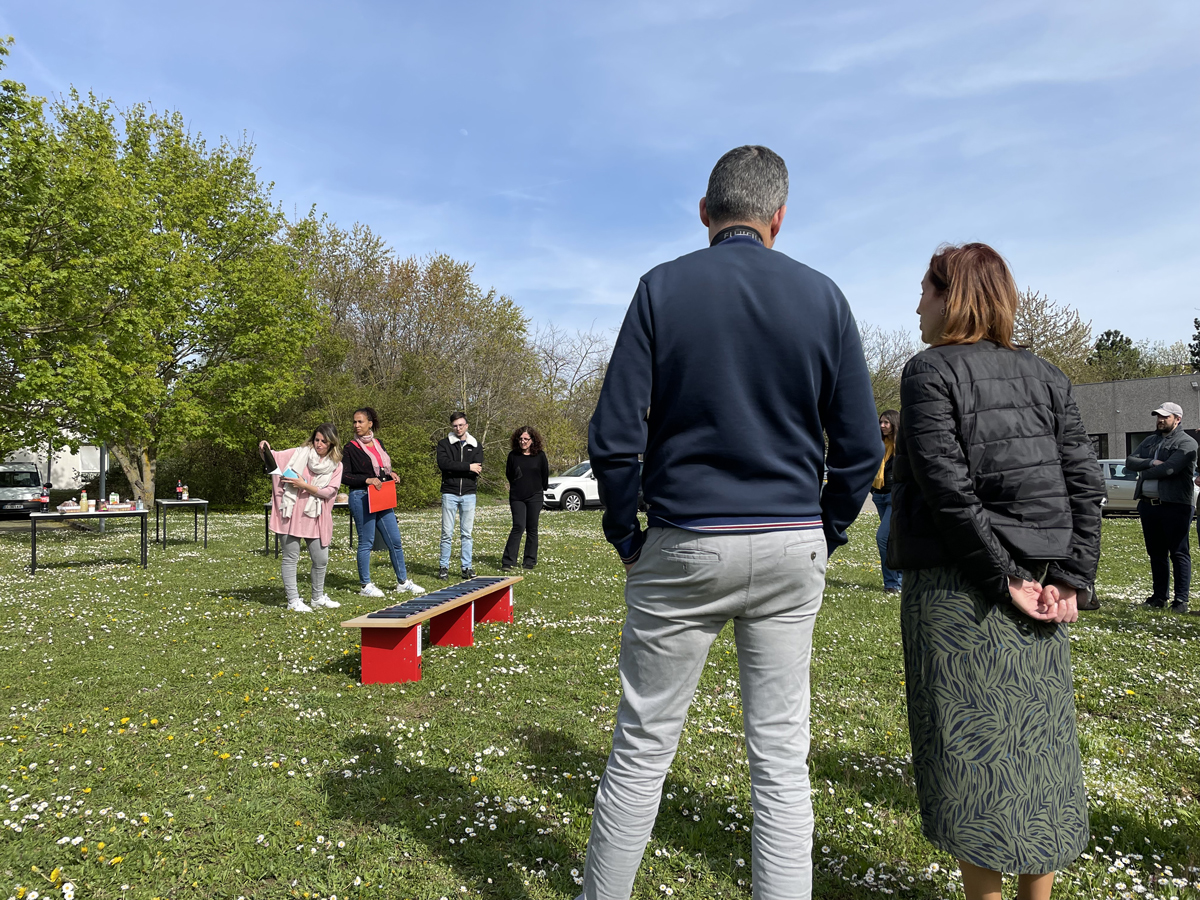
(196,524)
(156,523)
(32,546)
(145,526)
(205,526)
(267,530)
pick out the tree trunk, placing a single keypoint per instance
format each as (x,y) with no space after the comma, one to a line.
(139,465)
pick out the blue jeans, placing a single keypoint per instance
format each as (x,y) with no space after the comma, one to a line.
(389,529)
(465,507)
(883,503)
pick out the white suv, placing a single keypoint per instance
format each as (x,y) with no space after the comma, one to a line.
(574,489)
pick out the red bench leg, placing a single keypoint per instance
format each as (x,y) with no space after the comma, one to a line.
(391,655)
(496,607)
(455,628)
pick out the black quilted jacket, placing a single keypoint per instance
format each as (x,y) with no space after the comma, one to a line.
(994,471)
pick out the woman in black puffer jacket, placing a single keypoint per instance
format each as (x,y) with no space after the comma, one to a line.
(996,524)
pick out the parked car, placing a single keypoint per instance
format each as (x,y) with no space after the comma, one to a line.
(574,489)
(1119,483)
(20,489)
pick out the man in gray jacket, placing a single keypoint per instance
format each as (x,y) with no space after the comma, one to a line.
(1166,463)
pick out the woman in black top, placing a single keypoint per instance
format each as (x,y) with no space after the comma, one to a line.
(996,524)
(528,474)
(367,464)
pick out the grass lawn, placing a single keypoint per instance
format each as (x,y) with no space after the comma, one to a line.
(175,733)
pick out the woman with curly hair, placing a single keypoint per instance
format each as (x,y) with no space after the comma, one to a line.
(528,474)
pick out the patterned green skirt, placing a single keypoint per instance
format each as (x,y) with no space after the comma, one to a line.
(991,714)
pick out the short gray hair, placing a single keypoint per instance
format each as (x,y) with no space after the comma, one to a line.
(748,184)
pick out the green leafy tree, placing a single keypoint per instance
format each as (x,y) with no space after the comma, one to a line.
(60,251)
(220,322)
(1115,357)
(1161,358)
(147,296)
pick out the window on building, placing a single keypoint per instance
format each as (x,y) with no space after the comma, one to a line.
(1133,439)
(1100,445)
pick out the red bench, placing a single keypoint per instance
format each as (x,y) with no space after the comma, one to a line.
(391,637)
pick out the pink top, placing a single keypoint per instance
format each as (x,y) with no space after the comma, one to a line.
(300,525)
(373,449)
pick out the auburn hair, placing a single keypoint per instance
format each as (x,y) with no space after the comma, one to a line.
(980,294)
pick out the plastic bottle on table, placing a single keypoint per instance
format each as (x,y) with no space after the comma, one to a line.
(179,489)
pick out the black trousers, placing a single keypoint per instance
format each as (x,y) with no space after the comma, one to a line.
(1165,530)
(525,521)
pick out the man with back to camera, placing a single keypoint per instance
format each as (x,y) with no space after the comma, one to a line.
(1166,463)
(731,363)
(460,458)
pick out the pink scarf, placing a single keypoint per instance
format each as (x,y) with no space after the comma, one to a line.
(380,461)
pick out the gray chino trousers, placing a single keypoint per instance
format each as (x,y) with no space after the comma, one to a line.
(679,595)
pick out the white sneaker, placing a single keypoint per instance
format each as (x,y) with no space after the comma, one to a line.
(325,603)
(369,590)
(299,605)
(409,587)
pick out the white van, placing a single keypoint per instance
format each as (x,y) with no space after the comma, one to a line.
(20,489)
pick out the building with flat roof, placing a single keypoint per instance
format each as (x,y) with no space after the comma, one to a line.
(1118,415)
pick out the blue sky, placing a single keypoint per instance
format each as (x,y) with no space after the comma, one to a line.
(562,148)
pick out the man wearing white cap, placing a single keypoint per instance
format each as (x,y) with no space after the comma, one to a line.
(1166,464)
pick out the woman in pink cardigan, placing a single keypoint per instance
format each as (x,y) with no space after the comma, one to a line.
(302,509)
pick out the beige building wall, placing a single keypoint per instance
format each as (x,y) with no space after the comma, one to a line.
(1121,409)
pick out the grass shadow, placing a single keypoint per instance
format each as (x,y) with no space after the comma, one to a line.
(262,594)
(389,794)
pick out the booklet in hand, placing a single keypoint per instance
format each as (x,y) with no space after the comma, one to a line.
(269,465)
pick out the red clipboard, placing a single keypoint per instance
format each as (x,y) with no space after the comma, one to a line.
(382,497)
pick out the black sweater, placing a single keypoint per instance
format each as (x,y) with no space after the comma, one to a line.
(526,475)
(731,363)
(358,466)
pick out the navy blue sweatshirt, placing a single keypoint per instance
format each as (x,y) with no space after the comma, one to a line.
(731,364)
